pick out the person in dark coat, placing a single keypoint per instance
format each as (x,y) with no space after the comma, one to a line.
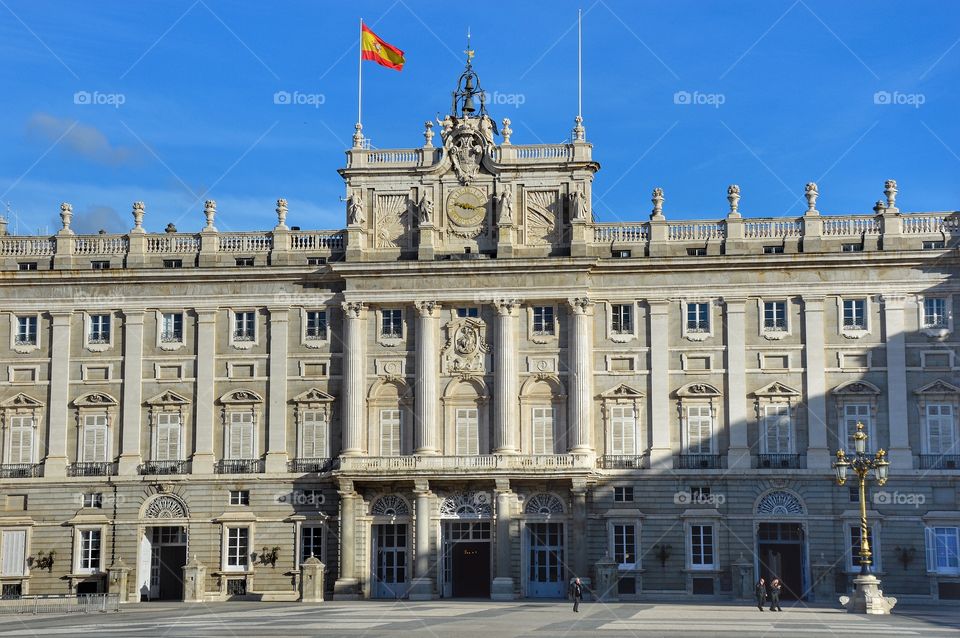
(761,593)
(775,588)
(576,590)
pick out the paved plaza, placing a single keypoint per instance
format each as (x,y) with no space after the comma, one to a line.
(468,619)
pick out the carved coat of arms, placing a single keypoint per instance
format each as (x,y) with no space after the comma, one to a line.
(466,346)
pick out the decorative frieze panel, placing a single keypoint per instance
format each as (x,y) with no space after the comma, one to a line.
(542,217)
(392,221)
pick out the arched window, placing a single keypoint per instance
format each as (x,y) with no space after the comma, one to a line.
(780,503)
(543,505)
(390,505)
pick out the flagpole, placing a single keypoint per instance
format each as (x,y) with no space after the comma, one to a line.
(360,76)
(579,66)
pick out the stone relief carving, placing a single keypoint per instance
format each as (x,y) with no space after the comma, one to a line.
(353,309)
(425,209)
(505,207)
(466,346)
(393,221)
(541,217)
(578,204)
(355,215)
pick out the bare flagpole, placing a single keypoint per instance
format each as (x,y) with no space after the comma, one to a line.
(579,66)
(358,129)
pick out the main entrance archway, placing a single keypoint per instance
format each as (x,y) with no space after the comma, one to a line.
(466,536)
(545,547)
(781,543)
(163,548)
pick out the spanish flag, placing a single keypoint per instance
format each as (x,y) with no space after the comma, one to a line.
(373,48)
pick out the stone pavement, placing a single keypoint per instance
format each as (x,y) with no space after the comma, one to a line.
(467,619)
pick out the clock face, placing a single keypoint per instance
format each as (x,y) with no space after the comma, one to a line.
(467,206)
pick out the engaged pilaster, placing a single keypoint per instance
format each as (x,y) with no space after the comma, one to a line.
(426,374)
(505,378)
(56,462)
(818,456)
(503,581)
(661,452)
(345,587)
(203,456)
(738,455)
(422,586)
(132,391)
(277,391)
(580,348)
(354,376)
(900,454)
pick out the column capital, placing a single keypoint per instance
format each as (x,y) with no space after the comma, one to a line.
(581,305)
(354,309)
(502,486)
(506,307)
(279,313)
(428,308)
(421,487)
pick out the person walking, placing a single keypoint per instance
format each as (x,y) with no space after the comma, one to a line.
(761,593)
(576,590)
(775,587)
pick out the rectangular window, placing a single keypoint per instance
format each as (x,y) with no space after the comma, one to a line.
(943,550)
(934,312)
(933,245)
(316,261)
(543,430)
(772,250)
(698,317)
(313,434)
(776,429)
(699,429)
(855,314)
(469,311)
(238,543)
(855,548)
(168,436)
(775,315)
(99,329)
(467,432)
(244,326)
(854,413)
(90,550)
(100,265)
(543,320)
(621,318)
(20,440)
(391,323)
(697,252)
(94,439)
(941,430)
(173,263)
(625,545)
(26,265)
(93,500)
(621,254)
(701,546)
(26,331)
(316,325)
(240,435)
(623,430)
(245,262)
(623,494)
(852,248)
(391,433)
(311,543)
(13,552)
(172,329)
(239,497)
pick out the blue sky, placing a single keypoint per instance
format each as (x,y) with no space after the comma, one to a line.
(176,102)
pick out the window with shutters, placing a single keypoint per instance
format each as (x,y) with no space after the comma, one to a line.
(943,550)
(776,429)
(13,550)
(240,435)
(854,413)
(94,439)
(391,433)
(941,428)
(236,548)
(89,550)
(623,435)
(542,420)
(701,548)
(168,426)
(467,431)
(313,434)
(699,429)
(20,445)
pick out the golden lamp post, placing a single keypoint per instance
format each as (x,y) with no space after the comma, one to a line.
(867,598)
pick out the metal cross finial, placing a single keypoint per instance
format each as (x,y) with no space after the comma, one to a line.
(468,50)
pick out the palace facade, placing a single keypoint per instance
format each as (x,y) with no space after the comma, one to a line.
(476,390)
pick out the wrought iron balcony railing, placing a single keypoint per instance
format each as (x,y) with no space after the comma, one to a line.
(21,470)
(312,465)
(780,461)
(239,466)
(940,461)
(699,462)
(164,467)
(623,462)
(95,468)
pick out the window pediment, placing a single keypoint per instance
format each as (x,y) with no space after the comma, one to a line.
(856,388)
(241,397)
(313,395)
(21,401)
(622,392)
(939,387)
(697,391)
(776,390)
(168,398)
(95,400)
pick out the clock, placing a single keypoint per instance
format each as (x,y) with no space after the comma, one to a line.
(467,206)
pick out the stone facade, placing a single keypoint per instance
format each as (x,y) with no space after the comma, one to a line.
(474,389)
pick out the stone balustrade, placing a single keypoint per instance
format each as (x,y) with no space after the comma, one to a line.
(466,464)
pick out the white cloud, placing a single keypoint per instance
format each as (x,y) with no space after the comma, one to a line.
(80,139)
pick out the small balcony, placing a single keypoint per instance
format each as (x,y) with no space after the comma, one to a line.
(623,462)
(239,466)
(940,461)
(156,468)
(21,470)
(94,468)
(780,461)
(699,462)
(315,466)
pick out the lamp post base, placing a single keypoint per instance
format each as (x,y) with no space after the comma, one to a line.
(867,597)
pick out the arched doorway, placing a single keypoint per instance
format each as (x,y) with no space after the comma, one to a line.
(545,546)
(781,544)
(390,534)
(162,552)
(466,536)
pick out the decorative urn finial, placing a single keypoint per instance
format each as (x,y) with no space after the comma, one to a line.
(733,196)
(138,210)
(281,213)
(358,135)
(811,193)
(506,131)
(66,214)
(657,200)
(890,190)
(210,211)
(428,134)
(579,133)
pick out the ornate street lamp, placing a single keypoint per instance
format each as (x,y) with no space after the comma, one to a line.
(868,598)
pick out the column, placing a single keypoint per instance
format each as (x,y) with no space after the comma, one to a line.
(56,462)
(354,378)
(579,533)
(818,456)
(426,376)
(131,411)
(422,586)
(503,580)
(203,457)
(900,455)
(345,587)
(277,391)
(661,450)
(738,455)
(580,376)
(505,392)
